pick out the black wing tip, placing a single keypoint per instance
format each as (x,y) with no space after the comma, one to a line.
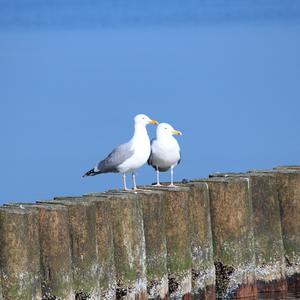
(149,161)
(89,173)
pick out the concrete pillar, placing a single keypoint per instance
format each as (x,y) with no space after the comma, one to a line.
(232,231)
(179,257)
(55,252)
(19,254)
(105,246)
(269,250)
(85,268)
(129,246)
(203,269)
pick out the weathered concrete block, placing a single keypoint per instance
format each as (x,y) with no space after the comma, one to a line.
(232,230)
(105,246)
(85,268)
(203,269)
(19,254)
(179,256)
(56,258)
(129,246)
(269,250)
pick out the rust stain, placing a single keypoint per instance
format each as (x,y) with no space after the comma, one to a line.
(210,293)
(187,296)
(273,286)
(246,291)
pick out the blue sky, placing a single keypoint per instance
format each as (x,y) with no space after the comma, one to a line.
(68,96)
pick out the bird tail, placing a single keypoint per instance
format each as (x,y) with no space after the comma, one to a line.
(90,173)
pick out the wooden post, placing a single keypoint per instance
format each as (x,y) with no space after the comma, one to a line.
(179,256)
(233,237)
(129,246)
(105,245)
(269,249)
(85,268)
(288,184)
(56,259)
(203,269)
(155,241)
(19,254)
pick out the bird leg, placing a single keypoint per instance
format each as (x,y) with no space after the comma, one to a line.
(172,183)
(135,189)
(124,182)
(157,178)
(134,182)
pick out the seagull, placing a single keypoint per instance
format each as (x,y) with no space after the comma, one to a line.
(165,151)
(129,156)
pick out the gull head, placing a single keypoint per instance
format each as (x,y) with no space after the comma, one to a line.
(165,129)
(143,120)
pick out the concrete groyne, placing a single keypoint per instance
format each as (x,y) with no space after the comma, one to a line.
(229,236)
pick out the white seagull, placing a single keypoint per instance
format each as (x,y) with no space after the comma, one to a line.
(129,156)
(165,151)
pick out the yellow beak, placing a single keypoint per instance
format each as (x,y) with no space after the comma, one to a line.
(153,122)
(177,132)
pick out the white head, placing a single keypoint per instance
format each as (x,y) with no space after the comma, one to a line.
(143,120)
(165,129)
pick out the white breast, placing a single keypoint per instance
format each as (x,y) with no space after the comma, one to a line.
(165,153)
(142,149)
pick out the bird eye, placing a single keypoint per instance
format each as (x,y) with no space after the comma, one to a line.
(166,128)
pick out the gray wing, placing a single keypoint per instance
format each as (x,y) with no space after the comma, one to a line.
(149,161)
(179,158)
(114,159)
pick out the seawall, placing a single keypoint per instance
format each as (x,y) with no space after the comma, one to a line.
(229,236)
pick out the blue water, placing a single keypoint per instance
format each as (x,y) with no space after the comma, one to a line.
(73,74)
(120,13)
